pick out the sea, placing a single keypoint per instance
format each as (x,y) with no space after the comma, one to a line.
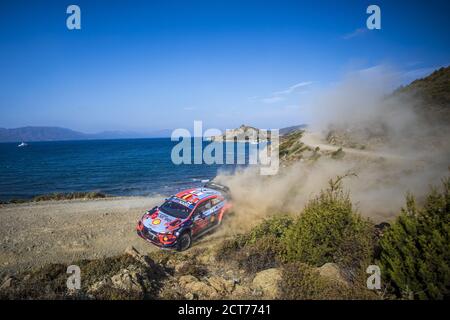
(125,167)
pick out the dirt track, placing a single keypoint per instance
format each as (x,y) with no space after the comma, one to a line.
(32,234)
(315,140)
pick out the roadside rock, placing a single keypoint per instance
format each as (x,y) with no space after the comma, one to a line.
(135,254)
(180,267)
(221,285)
(183,280)
(128,281)
(189,296)
(98,286)
(7,283)
(241,292)
(207,258)
(331,271)
(197,288)
(201,289)
(268,281)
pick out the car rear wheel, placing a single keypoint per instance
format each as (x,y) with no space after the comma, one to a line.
(184,241)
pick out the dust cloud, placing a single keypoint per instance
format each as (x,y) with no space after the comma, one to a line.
(407,154)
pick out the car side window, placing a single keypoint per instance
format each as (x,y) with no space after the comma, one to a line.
(215,201)
(203,207)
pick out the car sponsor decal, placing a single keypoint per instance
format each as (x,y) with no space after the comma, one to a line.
(213,209)
(185,203)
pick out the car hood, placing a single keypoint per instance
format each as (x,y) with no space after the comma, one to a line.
(160,223)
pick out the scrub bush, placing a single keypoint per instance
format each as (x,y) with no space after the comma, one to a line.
(259,249)
(302,282)
(329,230)
(415,251)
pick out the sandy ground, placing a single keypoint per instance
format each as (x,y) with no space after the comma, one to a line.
(33,234)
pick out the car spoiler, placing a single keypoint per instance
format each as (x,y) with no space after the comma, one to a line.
(219,187)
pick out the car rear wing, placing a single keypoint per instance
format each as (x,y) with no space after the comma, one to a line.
(219,187)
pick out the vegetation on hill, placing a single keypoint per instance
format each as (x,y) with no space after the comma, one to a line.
(293,149)
(434,93)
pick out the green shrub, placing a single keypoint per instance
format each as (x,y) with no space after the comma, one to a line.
(229,247)
(302,282)
(259,249)
(275,226)
(415,251)
(263,254)
(329,230)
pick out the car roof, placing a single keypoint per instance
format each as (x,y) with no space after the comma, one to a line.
(191,197)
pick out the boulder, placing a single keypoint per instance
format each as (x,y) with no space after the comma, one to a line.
(201,289)
(183,280)
(332,272)
(128,281)
(221,285)
(268,281)
(197,288)
(7,283)
(241,292)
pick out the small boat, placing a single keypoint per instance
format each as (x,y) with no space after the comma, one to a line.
(23,144)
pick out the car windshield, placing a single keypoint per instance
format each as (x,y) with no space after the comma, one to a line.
(175,209)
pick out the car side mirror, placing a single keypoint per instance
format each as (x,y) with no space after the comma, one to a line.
(153,209)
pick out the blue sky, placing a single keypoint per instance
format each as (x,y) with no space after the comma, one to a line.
(149,65)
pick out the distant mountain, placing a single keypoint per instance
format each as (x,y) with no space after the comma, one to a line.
(39,134)
(29,134)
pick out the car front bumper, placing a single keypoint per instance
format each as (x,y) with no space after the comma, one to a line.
(153,239)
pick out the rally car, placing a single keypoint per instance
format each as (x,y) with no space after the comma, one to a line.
(185,216)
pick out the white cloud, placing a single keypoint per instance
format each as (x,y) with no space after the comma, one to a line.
(355,33)
(272,99)
(280,95)
(292,88)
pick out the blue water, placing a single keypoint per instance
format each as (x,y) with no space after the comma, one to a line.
(115,167)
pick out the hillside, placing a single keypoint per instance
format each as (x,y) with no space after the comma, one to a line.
(243,133)
(249,133)
(291,129)
(428,99)
(433,91)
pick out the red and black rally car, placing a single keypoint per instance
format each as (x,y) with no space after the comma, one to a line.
(185,216)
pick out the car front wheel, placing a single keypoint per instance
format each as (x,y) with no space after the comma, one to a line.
(184,241)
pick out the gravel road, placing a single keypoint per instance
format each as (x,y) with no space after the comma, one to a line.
(33,234)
